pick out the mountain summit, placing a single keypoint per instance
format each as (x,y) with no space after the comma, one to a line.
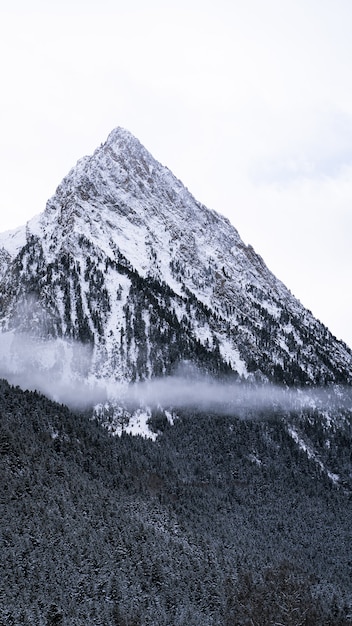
(125,261)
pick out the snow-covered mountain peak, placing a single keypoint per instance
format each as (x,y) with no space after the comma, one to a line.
(122,196)
(126,259)
(121,140)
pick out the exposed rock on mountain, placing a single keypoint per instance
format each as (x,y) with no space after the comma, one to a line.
(125,260)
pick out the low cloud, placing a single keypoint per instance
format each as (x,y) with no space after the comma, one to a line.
(57,368)
(248,401)
(60,369)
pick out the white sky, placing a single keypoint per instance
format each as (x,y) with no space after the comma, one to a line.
(248,102)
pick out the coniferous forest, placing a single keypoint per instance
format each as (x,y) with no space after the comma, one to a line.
(220,521)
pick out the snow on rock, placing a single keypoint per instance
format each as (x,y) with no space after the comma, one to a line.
(125,261)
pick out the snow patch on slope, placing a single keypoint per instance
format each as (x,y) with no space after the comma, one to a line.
(311,454)
(13,240)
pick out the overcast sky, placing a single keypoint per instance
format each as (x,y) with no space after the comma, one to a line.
(248,102)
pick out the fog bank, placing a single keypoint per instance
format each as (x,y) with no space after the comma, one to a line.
(60,369)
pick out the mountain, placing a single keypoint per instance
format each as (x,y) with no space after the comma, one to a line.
(129,295)
(126,261)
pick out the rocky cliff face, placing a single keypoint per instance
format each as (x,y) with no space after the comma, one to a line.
(126,261)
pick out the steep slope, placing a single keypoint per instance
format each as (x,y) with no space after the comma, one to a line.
(222,522)
(125,260)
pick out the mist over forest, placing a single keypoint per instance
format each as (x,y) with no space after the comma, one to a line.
(58,368)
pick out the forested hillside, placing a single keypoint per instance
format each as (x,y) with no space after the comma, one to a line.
(220,521)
